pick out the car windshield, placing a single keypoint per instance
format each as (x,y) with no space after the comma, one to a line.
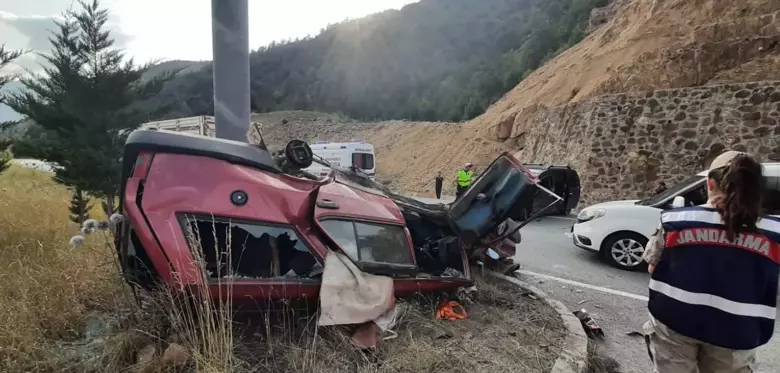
(654,200)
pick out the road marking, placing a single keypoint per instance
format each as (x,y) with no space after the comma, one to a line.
(584,285)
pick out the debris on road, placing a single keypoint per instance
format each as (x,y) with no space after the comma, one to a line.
(592,329)
(530,295)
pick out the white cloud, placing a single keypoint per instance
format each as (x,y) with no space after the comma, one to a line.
(181,29)
(31,33)
(174,29)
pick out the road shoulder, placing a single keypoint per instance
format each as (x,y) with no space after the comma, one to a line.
(574,352)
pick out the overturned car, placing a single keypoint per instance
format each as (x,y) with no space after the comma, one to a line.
(210,212)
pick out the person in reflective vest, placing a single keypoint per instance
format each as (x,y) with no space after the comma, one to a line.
(464,180)
(713,288)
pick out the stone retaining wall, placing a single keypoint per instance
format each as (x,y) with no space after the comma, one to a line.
(623,145)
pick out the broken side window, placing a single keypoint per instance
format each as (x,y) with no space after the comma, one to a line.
(248,250)
(376,248)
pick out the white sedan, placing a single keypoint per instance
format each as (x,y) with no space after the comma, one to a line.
(619,230)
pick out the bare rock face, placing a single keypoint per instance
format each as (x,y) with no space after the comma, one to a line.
(513,129)
(600,16)
(504,127)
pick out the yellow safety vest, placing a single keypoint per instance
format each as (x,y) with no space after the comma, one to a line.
(464,178)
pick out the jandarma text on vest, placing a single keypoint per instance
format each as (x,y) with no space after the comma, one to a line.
(755,242)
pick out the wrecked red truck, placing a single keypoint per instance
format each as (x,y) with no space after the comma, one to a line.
(205,211)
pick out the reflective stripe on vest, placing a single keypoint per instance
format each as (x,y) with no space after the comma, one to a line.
(464,178)
(712,289)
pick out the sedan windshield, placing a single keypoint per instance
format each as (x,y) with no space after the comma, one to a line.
(660,197)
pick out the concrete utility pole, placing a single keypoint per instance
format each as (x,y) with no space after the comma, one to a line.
(230,43)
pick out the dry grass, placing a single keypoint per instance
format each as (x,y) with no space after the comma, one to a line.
(505,332)
(47,290)
(65,310)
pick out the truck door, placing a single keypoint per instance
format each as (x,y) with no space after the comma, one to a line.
(499,193)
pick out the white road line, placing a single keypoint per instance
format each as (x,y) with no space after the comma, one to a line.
(584,285)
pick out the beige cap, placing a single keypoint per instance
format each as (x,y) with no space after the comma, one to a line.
(724,159)
(468,164)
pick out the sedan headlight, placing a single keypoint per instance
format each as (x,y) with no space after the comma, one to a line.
(590,214)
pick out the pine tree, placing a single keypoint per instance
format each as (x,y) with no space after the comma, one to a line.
(5,157)
(79,207)
(5,161)
(86,102)
(6,57)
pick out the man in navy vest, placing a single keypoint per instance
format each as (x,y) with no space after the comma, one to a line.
(713,288)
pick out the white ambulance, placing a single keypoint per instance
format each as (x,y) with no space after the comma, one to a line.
(344,155)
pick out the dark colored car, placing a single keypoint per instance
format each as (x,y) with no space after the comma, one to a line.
(202,211)
(563,181)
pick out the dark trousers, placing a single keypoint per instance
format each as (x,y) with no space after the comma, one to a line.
(459,192)
(438,189)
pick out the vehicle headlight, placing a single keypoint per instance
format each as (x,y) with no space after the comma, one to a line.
(590,214)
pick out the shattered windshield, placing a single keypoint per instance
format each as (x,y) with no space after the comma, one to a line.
(660,197)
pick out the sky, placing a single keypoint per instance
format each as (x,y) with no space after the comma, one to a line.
(178,29)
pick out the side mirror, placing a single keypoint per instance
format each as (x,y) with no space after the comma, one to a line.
(297,154)
(678,202)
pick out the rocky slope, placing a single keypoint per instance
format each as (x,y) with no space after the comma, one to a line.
(408,153)
(633,46)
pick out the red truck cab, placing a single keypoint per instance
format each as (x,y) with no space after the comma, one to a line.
(205,211)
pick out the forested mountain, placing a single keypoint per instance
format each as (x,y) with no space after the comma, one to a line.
(182,66)
(444,60)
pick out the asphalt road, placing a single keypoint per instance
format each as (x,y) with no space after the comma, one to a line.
(616,299)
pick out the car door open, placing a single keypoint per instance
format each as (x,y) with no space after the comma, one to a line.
(498,194)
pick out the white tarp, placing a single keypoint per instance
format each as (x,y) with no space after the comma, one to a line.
(350,296)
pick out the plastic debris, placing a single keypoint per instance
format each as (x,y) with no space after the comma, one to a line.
(592,329)
(448,310)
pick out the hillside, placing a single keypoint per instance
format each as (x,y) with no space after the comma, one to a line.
(408,153)
(656,44)
(184,67)
(557,113)
(436,60)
